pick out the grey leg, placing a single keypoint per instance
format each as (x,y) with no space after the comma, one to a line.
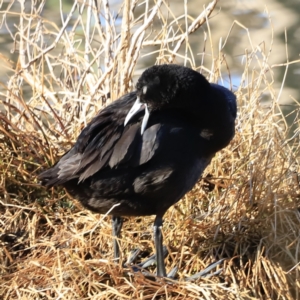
(159,256)
(158,240)
(117,223)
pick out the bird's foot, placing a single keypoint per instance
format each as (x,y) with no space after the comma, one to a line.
(147,263)
(206,273)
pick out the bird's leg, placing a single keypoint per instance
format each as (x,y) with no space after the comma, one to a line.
(161,253)
(158,240)
(158,257)
(117,223)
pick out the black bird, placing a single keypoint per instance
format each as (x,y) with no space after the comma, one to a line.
(147,149)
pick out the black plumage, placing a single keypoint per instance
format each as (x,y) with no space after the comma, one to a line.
(147,149)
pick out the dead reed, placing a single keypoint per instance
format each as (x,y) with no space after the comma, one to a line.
(246,209)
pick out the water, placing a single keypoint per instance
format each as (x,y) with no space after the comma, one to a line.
(259,19)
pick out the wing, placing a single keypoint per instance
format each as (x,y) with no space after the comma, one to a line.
(105,144)
(166,162)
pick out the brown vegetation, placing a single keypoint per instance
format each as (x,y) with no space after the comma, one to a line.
(246,209)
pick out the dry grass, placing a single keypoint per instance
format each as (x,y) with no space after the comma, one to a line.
(246,210)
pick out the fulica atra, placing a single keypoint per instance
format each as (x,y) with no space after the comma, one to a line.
(147,149)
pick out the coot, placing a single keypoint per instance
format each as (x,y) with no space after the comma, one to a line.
(147,149)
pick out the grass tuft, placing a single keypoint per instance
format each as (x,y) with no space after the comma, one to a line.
(245,209)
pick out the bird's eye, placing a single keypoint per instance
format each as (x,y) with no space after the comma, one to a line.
(156,80)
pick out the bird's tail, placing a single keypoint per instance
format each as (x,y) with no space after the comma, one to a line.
(50,177)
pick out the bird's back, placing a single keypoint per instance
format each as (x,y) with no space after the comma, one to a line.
(144,174)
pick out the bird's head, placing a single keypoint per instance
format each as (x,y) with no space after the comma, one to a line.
(173,87)
(155,89)
(158,86)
